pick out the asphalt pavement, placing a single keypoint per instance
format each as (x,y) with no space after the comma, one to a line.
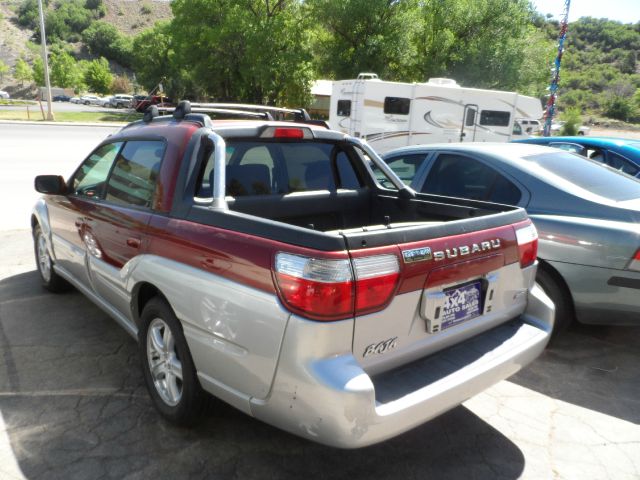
(73,402)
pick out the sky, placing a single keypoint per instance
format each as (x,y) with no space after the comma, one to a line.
(625,11)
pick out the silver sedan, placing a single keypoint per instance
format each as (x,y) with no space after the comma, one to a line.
(588,217)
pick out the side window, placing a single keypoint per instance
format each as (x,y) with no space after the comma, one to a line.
(397,105)
(406,166)
(459,176)
(517,129)
(494,118)
(89,179)
(133,179)
(620,163)
(348,177)
(570,147)
(344,108)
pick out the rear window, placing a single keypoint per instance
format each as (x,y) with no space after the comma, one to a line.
(277,168)
(586,174)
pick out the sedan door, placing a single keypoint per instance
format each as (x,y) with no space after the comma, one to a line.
(117,227)
(68,213)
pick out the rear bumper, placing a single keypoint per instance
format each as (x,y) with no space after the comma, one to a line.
(332,400)
(603,296)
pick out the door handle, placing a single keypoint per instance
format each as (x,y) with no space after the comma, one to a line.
(133,242)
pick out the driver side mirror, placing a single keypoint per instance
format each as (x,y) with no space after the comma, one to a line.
(50,184)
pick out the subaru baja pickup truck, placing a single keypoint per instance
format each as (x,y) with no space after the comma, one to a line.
(264,263)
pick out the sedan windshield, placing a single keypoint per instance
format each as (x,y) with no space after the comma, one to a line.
(586,174)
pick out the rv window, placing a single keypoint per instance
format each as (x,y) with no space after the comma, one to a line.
(494,118)
(397,105)
(344,108)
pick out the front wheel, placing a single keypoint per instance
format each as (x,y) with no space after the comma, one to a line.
(49,278)
(560,296)
(168,368)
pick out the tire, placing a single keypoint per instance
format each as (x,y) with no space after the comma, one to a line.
(87,103)
(49,278)
(165,358)
(581,133)
(558,293)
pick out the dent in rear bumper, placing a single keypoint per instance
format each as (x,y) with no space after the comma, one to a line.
(332,400)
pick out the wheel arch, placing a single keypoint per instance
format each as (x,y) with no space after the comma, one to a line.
(551,270)
(143,292)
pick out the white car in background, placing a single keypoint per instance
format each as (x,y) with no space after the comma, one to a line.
(556,127)
(4,94)
(90,100)
(105,101)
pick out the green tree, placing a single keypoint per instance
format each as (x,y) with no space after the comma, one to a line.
(38,72)
(104,39)
(572,121)
(247,50)
(4,69)
(98,77)
(365,36)
(619,107)
(22,72)
(64,70)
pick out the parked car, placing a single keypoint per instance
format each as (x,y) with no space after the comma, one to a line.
(141,102)
(556,128)
(90,100)
(61,98)
(75,100)
(4,95)
(105,101)
(588,217)
(262,262)
(121,101)
(618,153)
(529,126)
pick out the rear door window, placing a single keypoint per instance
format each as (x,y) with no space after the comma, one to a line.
(465,177)
(620,163)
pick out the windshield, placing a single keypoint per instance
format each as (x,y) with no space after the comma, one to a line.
(564,168)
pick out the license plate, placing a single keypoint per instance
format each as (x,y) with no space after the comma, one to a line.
(461,304)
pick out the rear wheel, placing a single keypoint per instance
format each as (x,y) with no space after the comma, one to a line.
(50,279)
(168,368)
(560,296)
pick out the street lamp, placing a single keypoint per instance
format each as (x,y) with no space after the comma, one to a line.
(45,61)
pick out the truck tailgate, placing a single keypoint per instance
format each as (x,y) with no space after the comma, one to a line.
(450,289)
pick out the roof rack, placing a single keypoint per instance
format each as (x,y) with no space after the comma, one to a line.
(225,111)
(233,109)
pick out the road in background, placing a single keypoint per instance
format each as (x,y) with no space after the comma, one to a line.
(27,150)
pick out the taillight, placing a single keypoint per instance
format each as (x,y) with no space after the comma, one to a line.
(376,279)
(324,289)
(316,288)
(287,132)
(527,244)
(635,262)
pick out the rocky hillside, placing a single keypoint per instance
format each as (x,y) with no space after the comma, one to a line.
(128,16)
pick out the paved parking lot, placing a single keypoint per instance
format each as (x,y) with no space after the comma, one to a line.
(73,403)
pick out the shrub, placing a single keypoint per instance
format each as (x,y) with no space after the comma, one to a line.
(146,9)
(572,122)
(104,39)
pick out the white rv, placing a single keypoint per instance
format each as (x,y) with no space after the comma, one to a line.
(394,114)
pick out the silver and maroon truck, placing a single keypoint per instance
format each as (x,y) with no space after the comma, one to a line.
(264,263)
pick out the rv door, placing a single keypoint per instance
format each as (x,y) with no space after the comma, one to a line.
(469,122)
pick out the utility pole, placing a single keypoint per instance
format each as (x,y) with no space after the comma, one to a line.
(45,61)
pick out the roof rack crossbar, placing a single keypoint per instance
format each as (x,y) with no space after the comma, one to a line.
(247,106)
(228,111)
